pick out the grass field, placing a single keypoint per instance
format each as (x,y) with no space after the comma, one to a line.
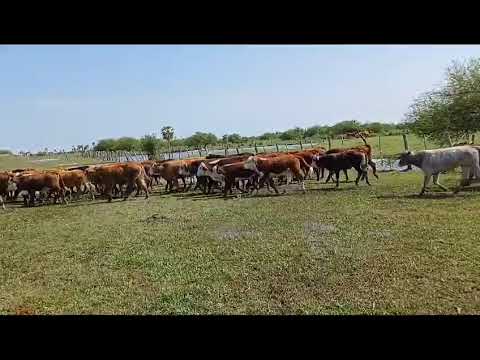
(8,162)
(365,250)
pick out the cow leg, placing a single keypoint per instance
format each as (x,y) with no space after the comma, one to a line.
(184,183)
(329,177)
(337,173)
(359,176)
(228,186)
(128,191)
(142,185)
(435,181)
(346,175)
(108,191)
(426,181)
(3,203)
(374,168)
(31,194)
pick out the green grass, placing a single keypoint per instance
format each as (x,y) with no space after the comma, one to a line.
(10,162)
(365,250)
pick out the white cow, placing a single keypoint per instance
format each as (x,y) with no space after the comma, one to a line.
(433,162)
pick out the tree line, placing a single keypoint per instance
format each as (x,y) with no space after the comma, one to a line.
(149,143)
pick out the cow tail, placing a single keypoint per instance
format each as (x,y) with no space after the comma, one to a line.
(305,164)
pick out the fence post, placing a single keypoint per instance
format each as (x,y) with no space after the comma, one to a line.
(424,142)
(238,151)
(473,139)
(329,143)
(405,144)
(277,147)
(379,146)
(450,140)
(301,145)
(378,139)
(311,143)
(286,147)
(256,150)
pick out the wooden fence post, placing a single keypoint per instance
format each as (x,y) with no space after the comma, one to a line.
(329,143)
(311,143)
(424,142)
(405,142)
(277,147)
(238,151)
(301,145)
(473,139)
(450,140)
(286,146)
(379,146)
(378,139)
(405,145)
(256,150)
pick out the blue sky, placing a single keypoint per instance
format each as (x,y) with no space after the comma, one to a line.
(58,96)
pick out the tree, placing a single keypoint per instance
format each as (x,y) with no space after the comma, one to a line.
(149,143)
(201,139)
(234,138)
(126,144)
(167,134)
(105,145)
(293,134)
(452,112)
(345,126)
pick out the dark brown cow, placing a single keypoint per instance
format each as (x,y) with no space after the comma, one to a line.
(205,170)
(343,161)
(234,172)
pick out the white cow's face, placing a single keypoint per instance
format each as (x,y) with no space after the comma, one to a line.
(202,170)
(250,164)
(12,186)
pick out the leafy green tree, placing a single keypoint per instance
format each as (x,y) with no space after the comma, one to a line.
(293,134)
(149,144)
(105,145)
(452,112)
(126,144)
(201,139)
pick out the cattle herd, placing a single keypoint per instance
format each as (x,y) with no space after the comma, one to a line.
(246,172)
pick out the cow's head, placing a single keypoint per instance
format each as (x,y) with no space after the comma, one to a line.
(405,158)
(251,163)
(202,170)
(12,185)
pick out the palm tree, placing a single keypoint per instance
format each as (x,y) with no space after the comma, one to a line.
(167,134)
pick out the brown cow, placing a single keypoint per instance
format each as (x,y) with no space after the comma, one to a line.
(76,179)
(5,181)
(288,165)
(122,173)
(42,182)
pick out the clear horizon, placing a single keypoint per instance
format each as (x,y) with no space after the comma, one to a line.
(63,95)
